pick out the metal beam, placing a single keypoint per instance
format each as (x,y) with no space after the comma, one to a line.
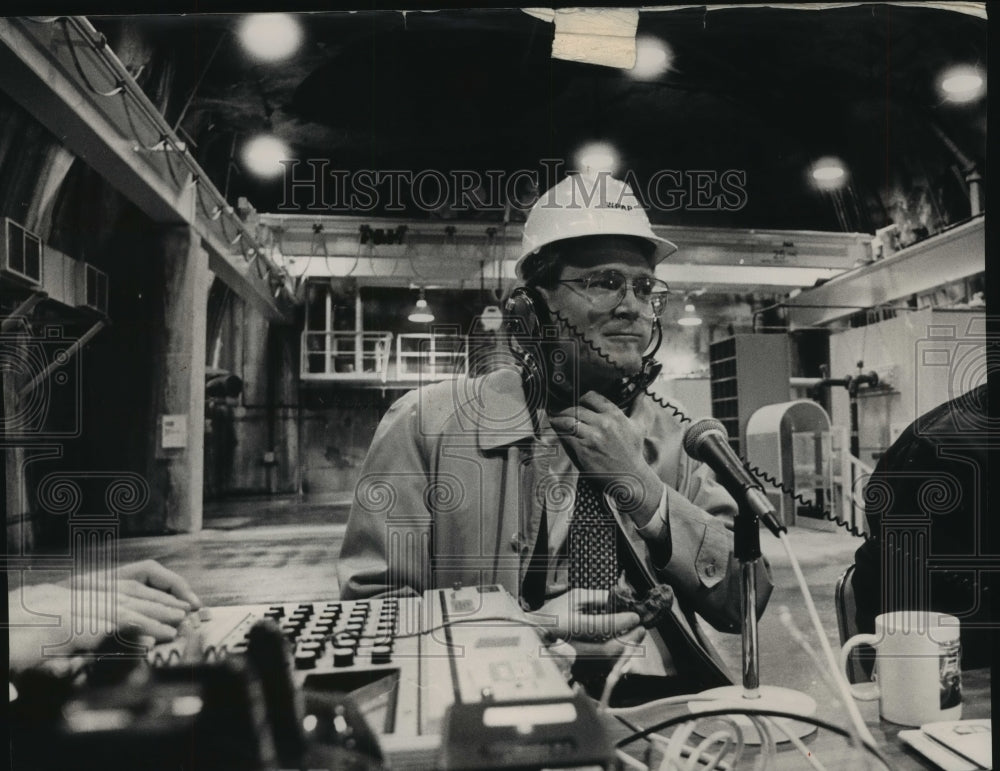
(449,254)
(458,273)
(39,72)
(955,254)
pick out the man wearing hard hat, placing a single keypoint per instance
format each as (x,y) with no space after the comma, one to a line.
(562,476)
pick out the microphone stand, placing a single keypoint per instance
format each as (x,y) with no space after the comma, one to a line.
(752,695)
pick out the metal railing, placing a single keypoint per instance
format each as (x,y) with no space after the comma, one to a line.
(371,357)
(426,356)
(346,356)
(853,477)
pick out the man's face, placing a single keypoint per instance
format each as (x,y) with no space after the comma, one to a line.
(622,332)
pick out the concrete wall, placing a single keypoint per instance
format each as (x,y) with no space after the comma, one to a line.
(253,442)
(337,429)
(694,394)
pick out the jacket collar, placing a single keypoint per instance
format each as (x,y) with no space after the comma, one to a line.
(501,412)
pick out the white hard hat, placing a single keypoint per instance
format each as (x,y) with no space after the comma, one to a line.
(588,205)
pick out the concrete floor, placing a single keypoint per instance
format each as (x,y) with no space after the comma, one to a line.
(264,550)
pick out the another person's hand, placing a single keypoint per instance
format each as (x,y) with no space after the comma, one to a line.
(150,580)
(608,447)
(580,617)
(150,601)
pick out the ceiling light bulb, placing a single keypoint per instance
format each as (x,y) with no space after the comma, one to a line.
(690,317)
(828,173)
(962,84)
(263,155)
(597,157)
(653,57)
(421,313)
(270,37)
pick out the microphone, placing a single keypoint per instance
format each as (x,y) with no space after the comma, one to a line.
(707,441)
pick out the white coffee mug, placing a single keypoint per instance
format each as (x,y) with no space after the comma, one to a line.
(918,676)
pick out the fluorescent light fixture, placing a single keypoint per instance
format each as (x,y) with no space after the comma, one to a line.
(270,37)
(597,157)
(828,173)
(263,155)
(653,57)
(690,317)
(962,84)
(781,278)
(421,313)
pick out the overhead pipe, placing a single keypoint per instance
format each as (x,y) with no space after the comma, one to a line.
(20,313)
(61,361)
(853,385)
(969,169)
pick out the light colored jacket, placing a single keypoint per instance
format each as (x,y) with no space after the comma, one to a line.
(449,493)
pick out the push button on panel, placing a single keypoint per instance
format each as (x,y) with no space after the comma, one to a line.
(343,657)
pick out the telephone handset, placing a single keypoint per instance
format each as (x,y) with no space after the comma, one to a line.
(528,321)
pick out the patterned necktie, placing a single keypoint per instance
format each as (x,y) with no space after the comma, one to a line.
(593,562)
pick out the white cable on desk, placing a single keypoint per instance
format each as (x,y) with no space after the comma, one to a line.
(768,747)
(831,682)
(845,692)
(698,755)
(628,760)
(799,745)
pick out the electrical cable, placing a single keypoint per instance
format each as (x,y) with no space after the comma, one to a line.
(619,669)
(870,747)
(455,622)
(863,734)
(628,760)
(798,497)
(64,23)
(125,85)
(785,617)
(131,122)
(676,747)
(413,267)
(371,261)
(214,215)
(357,259)
(280,246)
(672,756)
(697,754)
(619,714)
(769,747)
(165,141)
(799,745)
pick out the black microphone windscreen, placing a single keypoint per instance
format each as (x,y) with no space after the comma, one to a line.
(698,429)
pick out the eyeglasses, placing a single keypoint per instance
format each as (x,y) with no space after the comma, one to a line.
(605,290)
